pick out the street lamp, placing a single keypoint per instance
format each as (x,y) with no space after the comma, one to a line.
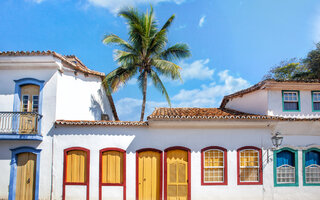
(277,139)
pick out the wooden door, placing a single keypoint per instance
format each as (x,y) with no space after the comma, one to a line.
(177,175)
(149,175)
(29,103)
(26,175)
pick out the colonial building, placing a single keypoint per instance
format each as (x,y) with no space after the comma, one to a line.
(61,139)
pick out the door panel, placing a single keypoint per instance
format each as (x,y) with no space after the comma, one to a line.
(149,175)
(29,103)
(26,172)
(177,177)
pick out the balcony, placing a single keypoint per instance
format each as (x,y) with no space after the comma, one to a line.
(20,126)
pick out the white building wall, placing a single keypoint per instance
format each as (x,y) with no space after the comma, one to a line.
(7,90)
(81,97)
(275,107)
(255,103)
(132,139)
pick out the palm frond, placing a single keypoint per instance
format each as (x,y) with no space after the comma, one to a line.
(114,39)
(125,58)
(119,77)
(159,85)
(176,52)
(168,23)
(167,68)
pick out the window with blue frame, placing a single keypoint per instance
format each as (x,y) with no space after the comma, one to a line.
(315,100)
(285,164)
(312,166)
(291,100)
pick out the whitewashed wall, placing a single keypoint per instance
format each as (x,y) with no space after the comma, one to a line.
(81,97)
(132,139)
(7,90)
(275,105)
(255,102)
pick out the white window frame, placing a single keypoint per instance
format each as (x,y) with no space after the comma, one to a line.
(247,167)
(23,103)
(213,167)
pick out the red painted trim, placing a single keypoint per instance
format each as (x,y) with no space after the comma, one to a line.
(225,158)
(137,170)
(124,172)
(65,169)
(260,182)
(165,169)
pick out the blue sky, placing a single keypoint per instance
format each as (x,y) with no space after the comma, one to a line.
(233,43)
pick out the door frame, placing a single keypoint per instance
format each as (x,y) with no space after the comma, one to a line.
(13,170)
(137,170)
(189,169)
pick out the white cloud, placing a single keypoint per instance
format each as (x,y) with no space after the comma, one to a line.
(207,95)
(196,70)
(202,20)
(210,95)
(115,5)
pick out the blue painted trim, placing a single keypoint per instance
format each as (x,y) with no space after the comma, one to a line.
(15,136)
(17,95)
(304,166)
(295,152)
(299,105)
(13,170)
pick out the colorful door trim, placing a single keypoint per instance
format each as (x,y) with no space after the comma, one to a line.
(137,170)
(86,183)
(13,170)
(124,172)
(165,169)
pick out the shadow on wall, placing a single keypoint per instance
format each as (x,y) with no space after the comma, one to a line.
(5,146)
(98,106)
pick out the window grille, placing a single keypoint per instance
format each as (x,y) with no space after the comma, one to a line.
(249,165)
(213,166)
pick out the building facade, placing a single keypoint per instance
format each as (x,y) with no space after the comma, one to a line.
(80,150)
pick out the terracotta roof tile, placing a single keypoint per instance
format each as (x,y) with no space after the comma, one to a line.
(100,123)
(213,114)
(72,60)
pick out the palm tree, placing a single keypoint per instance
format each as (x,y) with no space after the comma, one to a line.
(145,53)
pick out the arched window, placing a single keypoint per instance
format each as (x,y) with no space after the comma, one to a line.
(311,166)
(249,166)
(285,167)
(214,166)
(112,169)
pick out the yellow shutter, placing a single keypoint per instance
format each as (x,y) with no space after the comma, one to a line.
(76,166)
(112,167)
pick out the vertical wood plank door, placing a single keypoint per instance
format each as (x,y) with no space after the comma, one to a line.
(29,103)
(26,175)
(149,175)
(177,175)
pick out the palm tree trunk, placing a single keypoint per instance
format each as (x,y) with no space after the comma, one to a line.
(144,93)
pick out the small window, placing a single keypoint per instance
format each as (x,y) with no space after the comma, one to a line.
(112,167)
(214,166)
(316,101)
(76,166)
(290,100)
(285,163)
(25,101)
(312,167)
(35,103)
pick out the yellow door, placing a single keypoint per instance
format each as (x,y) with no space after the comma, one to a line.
(26,174)
(29,103)
(177,175)
(149,175)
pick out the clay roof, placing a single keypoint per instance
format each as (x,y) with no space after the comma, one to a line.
(259,86)
(213,113)
(71,60)
(100,123)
